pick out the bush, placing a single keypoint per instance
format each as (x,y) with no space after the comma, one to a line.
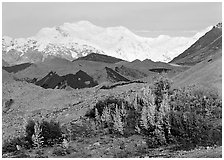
(115,114)
(37,134)
(161,87)
(29,130)
(82,128)
(163,115)
(51,132)
(192,113)
(155,111)
(139,115)
(43,133)
(10,145)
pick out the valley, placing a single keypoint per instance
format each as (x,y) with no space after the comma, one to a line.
(100,105)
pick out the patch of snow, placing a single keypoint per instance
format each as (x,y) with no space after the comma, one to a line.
(81,38)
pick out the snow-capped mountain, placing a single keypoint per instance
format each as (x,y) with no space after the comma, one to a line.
(73,40)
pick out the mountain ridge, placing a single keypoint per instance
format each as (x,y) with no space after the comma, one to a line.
(206,46)
(74,40)
(99,58)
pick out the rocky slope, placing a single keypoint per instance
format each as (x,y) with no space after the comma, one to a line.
(205,58)
(54,81)
(207,45)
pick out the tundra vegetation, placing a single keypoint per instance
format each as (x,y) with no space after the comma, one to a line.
(186,117)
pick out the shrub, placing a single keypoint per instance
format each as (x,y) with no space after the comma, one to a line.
(161,87)
(51,132)
(29,130)
(192,112)
(137,115)
(115,114)
(82,128)
(37,134)
(10,145)
(117,119)
(163,115)
(155,111)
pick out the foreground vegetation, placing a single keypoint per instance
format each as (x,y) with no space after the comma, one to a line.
(157,115)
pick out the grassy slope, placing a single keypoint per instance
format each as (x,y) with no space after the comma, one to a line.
(4,63)
(207,73)
(6,76)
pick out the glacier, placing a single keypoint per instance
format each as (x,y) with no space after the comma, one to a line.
(73,40)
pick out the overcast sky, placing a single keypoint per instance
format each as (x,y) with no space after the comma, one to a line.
(148,19)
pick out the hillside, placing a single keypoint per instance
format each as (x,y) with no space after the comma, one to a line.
(207,73)
(7,77)
(23,101)
(100,71)
(99,58)
(209,44)
(108,75)
(61,66)
(4,63)
(130,72)
(151,68)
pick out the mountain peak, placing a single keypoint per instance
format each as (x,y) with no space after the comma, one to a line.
(74,40)
(206,46)
(85,23)
(6,40)
(219,25)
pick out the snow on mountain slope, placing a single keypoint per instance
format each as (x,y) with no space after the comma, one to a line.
(73,40)
(206,46)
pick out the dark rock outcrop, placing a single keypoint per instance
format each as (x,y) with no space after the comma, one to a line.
(16,68)
(54,81)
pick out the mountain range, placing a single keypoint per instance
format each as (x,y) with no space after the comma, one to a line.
(74,40)
(199,64)
(47,80)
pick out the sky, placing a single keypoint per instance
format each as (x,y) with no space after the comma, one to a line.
(148,19)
